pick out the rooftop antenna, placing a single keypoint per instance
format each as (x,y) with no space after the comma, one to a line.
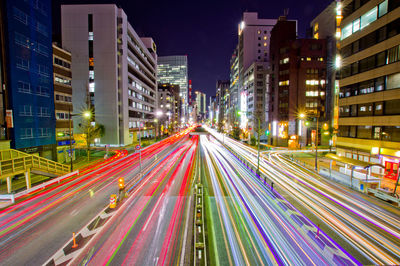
(286,12)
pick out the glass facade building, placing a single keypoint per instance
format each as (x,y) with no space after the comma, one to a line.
(174,70)
(29,71)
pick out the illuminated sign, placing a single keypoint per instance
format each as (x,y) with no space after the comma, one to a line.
(243,106)
(9,119)
(282,130)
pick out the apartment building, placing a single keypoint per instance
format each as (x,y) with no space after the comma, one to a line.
(114,70)
(369,99)
(63,103)
(297,85)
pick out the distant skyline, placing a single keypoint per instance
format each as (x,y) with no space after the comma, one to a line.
(205,31)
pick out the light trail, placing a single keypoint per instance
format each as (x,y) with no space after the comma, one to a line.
(370,230)
(274,231)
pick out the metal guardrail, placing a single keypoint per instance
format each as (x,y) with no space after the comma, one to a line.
(13,162)
(384,196)
(199,234)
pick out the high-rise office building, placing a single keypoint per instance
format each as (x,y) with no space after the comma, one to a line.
(114,70)
(220,108)
(201,105)
(168,104)
(324,26)
(27,75)
(234,106)
(369,98)
(174,70)
(297,85)
(253,46)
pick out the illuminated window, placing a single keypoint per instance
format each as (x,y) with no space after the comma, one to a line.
(259,32)
(265,44)
(308,58)
(90,36)
(356,25)
(312,82)
(316,27)
(316,36)
(369,17)
(284,83)
(265,37)
(91,86)
(347,31)
(284,61)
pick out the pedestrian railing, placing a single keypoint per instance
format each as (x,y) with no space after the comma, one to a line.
(14,162)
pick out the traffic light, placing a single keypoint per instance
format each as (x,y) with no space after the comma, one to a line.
(121,183)
(267,132)
(307,123)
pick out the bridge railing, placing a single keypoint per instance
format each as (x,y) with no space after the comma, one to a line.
(13,162)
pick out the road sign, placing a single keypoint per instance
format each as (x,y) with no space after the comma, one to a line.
(137,147)
(113,201)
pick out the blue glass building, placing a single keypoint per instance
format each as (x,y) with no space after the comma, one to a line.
(29,71)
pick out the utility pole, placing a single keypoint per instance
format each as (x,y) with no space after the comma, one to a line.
(70,139)
(258,156)
(140,150)
(316,144)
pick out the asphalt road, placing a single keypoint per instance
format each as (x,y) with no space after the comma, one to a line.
(364,226)
(251,224)
(153,224)
(33,230)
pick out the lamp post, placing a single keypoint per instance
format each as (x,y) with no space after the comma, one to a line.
(87,115)
(302,116)
(158,115)
(70,138)
(140,150)
(316,144)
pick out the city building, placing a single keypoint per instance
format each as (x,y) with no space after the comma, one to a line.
(169,105)
(212,111)
(369,99)
(201,103)
(324,26)
(174,70)
(234,106)
(113,67)
(297,86)
(253,99)
(27,72)
(63,103)
(3,76)
(253,46)
(221,103)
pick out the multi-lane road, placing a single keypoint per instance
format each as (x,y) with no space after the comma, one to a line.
(33,230)
(303,219)
(254,225)
(367,228)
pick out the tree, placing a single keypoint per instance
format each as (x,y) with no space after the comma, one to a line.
(91,132)
(89,127)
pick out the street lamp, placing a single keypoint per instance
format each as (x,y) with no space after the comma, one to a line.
(87,115)
(302,115)
(158,115)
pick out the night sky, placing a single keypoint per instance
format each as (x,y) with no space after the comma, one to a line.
(205,30)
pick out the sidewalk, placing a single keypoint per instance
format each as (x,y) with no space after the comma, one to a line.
(308,161)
